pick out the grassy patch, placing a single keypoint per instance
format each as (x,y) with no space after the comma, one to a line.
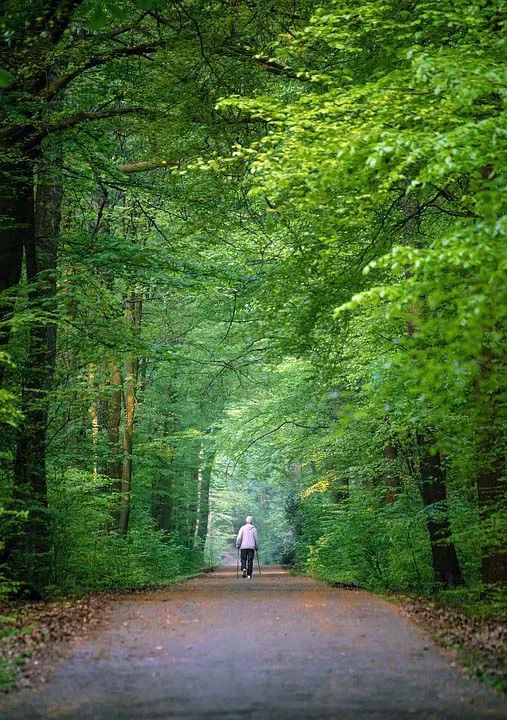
(474,662)
(7,674)
(473,602)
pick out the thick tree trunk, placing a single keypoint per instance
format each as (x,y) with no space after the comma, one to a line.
(134,315)
(446,568)
(30,462)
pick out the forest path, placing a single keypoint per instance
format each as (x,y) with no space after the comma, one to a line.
(276,646)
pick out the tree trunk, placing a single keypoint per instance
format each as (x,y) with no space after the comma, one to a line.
(391,478)
(17,222)
(492,492)
(134,315)
(162,503)
(128,432)
(30,461)
(340,490)
(114,469)
(112,400)
(94,416)
(446,568)
(491,477)
(202,530)
(192,504)
(205,469)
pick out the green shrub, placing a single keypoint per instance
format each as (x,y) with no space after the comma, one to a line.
(88,555)
(370,542)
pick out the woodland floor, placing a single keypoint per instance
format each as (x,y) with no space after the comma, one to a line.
(277,646)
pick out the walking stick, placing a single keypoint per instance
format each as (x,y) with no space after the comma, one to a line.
(237,566)
(258,563)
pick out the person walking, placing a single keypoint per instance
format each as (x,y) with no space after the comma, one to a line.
(247,542)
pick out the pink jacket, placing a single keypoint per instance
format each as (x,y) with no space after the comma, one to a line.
(247,538)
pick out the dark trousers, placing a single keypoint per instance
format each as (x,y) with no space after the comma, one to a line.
(247,558)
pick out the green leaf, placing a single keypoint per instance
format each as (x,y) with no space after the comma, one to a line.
(97,19)
(118,12)
(6,78)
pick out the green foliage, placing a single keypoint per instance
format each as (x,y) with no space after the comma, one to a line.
(121,133)
(86,555)
(9,518)
(386,173)
(6,78)
(9,410)
(367,542)
(7,675)
(11,522)
(311,211)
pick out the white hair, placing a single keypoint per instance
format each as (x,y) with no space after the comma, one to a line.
(249,519)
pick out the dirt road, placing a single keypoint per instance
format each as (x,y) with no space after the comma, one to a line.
(274,647)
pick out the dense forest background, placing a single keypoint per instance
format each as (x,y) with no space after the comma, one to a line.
(253,260)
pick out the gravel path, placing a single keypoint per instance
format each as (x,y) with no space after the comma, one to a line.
(274,647)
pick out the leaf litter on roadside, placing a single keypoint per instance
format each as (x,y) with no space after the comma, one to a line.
(29,629)
(481,643)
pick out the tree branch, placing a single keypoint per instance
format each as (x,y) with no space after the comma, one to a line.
(112,34)
(144,165)
(83,117)
(61,82)
(276,429)
(269,64)
(278,69)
